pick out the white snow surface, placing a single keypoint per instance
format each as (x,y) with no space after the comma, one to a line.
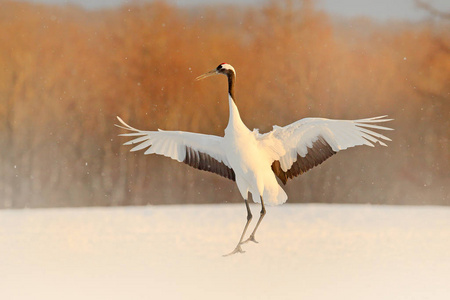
(175,252)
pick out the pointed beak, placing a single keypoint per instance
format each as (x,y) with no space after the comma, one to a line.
(207,74)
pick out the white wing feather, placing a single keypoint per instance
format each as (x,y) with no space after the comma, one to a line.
(298,137)
(173,143)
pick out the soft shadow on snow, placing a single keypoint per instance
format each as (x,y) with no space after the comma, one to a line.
(175,252)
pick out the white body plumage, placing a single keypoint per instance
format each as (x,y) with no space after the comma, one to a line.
(251,160)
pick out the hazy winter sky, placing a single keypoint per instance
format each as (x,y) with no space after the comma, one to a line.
(380,9)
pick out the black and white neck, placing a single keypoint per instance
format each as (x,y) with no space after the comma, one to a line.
(235,124)
(228,70)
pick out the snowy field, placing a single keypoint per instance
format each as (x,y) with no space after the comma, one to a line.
(175,252)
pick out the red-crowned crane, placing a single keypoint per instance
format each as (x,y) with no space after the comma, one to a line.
(255,160)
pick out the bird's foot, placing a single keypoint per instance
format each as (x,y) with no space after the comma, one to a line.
(250,238)
(238,249)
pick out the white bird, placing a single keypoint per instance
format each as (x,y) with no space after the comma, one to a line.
(255,160)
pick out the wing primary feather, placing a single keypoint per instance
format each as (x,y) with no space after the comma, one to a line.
(374,120)
(373,126)
(125,125)
(137,140)
(375,134)
(134,133)
(144,145)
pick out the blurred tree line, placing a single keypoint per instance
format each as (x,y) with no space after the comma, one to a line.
(65,73)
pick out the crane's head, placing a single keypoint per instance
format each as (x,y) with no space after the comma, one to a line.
(223,68)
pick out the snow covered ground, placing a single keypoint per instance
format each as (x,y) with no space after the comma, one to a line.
(175,252)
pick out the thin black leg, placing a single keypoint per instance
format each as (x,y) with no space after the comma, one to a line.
(263,213)
(249,218)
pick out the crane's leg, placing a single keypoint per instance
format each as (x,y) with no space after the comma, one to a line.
(238,246)
(261,216)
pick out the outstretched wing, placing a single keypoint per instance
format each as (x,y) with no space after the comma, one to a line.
(306,143)
(201,151)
